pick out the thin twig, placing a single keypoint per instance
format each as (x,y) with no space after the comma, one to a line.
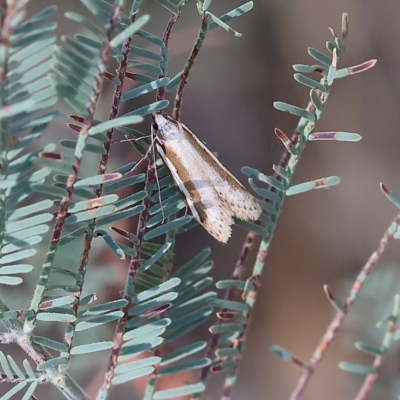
(240,264)
(340,316)
(379,359)
(165,38)
(189,63)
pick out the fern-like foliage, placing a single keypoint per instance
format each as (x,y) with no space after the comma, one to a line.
(160,302)
(230,331)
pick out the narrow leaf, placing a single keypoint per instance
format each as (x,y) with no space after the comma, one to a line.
(160,230)
(237,12)
(128,32)
(179,391)
(300,112)
(360,369)
(222,24)
(152,260)
(115,123)
(143,89)
(92,347)
(311,185)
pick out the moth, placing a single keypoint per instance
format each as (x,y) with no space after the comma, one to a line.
(209,190)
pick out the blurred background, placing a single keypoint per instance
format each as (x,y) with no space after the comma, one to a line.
(323,237)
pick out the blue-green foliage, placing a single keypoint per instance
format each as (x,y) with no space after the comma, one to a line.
(158,305)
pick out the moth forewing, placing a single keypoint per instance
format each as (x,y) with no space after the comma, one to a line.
(210,191)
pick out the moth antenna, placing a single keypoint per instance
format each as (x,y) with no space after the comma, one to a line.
(142,159)
(156,173)
(130,140)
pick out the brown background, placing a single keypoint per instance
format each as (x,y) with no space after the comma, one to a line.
(323,236)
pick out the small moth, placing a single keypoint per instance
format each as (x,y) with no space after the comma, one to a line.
(211,192)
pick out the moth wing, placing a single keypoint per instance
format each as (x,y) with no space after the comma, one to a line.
(233,195)
(205,204)
(240,202)
(211,192)
(178,182)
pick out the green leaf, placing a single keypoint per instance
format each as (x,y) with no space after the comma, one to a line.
(117,216)
(114,123)
(34,36)
(375,351)
(90,214)
(153,303)
(57,302)
(18,255)
(7,184)
(229,304)
(311,185)
(20,244)
(51,344)
(138,364)
(17,388)
(15,269)
(90,147)
(128,32)
(135,374)
(306,81)
(149,109)
(144,89)
(74,235)
(183,352)
(150,37)
(101,308)
(128,352)
(392,196)
(186,270)
(140,52)
(49,190)
(300,112)
(99,320)
(169,6)
(10,280)
(306,69)
(230,283)
(92,347)
(237,12)
(152,329)
(130,200)
(160,230)
(226,327)
(52,316)
(185,366)
(281,352)
(110,187)
(187,302)
(152,260)
(251,227)
(167,211)
(188,323)
(86,23)
(339,136)
(53,363)
(360,369)
(174,82)
(29,393)
(30,209)
(90,204)
(320,57)
(222,24)
(314,96)
(179,391)
(156,290)
(112,244)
